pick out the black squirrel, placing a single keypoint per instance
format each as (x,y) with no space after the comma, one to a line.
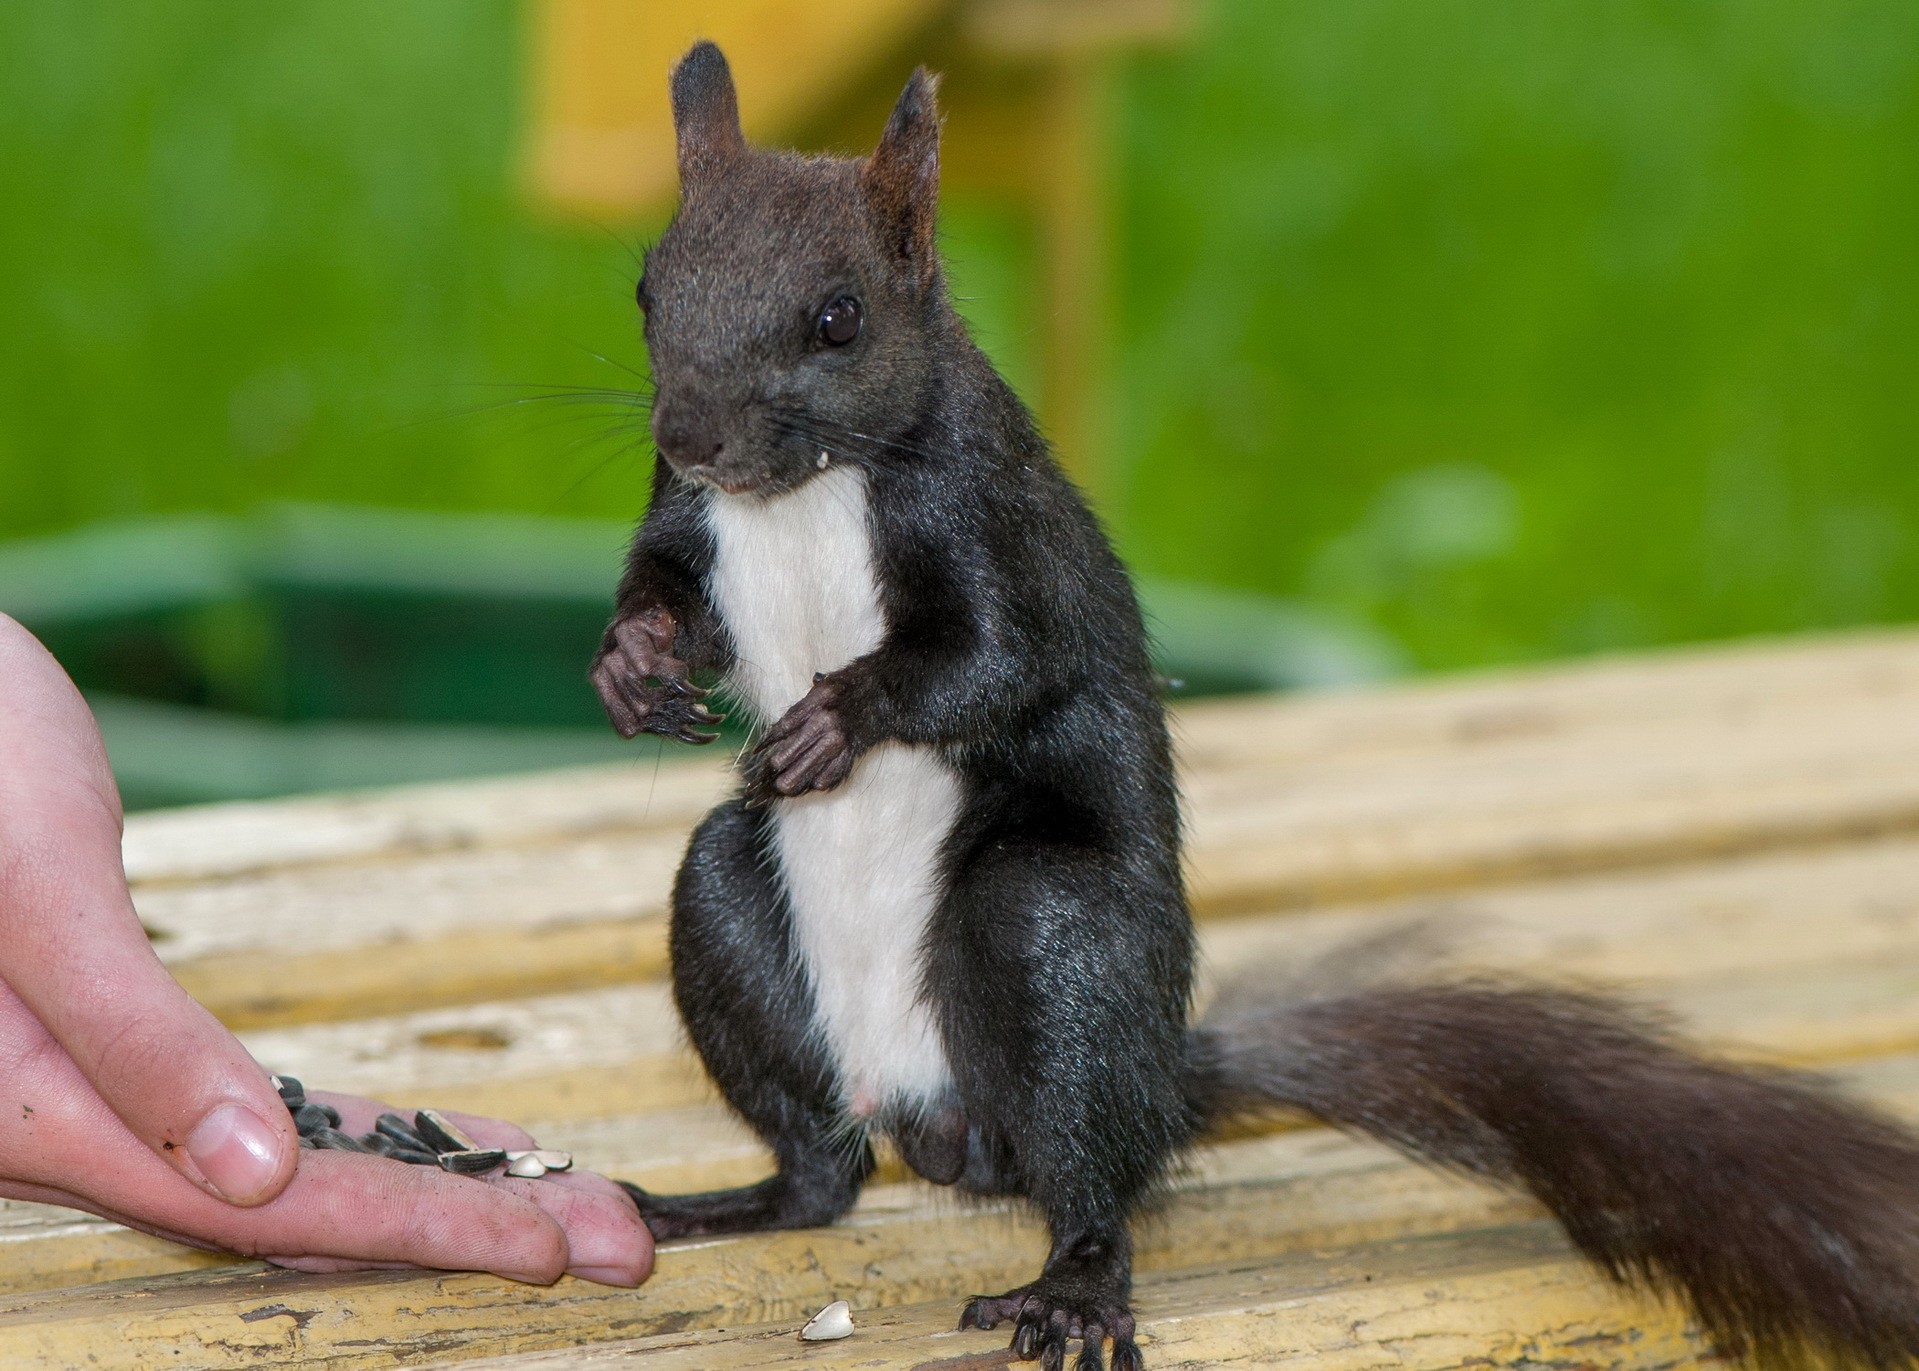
(947,905)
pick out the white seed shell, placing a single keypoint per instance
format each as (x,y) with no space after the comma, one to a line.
(546,1157)
(526,1164)
(834,1321)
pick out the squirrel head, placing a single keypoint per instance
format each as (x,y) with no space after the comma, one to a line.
(794,305)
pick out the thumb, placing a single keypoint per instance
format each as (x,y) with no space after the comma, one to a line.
(73,951)
(183,1084)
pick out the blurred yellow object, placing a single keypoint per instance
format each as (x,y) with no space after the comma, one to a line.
(1024,90)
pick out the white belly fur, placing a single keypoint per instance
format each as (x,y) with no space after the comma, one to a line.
(793,581)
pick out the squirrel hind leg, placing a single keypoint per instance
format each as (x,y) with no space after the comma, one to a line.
(1084,1296)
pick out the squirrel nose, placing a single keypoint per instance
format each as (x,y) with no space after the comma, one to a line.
(684,438)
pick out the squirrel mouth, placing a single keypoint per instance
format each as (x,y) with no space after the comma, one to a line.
(731,485)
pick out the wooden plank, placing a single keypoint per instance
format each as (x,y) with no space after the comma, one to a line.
(1642,927)
(1511,1297)
(44,1246)
(1810,956)
(1805,678)
(206,841)
(460,926)
(1666,791)
(446,928)
(1438,715)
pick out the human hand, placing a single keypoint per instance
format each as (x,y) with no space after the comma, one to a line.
(121,1095)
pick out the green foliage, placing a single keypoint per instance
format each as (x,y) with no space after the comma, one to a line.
(1530,329)
(1513,330)
(268,252)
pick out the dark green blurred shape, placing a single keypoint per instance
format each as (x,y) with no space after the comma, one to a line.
(1447,334)
(318,647)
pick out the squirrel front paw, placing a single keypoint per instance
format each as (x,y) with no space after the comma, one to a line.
(807,749)
(644,687)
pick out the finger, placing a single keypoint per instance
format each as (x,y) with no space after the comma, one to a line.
(618,713)
(806,739)
(836,770)
(346,1206)
(76,956)
(802,774)
(607,1240)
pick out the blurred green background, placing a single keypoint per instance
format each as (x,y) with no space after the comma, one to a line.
(1446,335)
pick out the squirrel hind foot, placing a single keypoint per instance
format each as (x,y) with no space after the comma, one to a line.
(1045,1320)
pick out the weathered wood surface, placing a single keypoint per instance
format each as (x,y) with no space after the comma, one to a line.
(1733,835)
(1507,1297)
(487,889)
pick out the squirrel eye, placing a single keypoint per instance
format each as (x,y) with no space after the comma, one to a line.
(839,322)
(639,294)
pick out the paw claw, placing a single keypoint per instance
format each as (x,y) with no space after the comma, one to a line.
(1050,1314)
(644,687)
(1026,1340)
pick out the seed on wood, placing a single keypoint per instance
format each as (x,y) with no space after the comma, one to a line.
(834,1321)
(444,1135)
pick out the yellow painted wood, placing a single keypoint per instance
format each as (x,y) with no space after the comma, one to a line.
(603,135)
(43,1246)
(1504,1298)
(1508,1295)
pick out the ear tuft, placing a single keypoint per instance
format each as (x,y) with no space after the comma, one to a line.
(706,113)
(902,177)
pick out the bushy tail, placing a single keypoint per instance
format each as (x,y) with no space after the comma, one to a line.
(1784,1216)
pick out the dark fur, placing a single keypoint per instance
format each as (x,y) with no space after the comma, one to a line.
(1058,961)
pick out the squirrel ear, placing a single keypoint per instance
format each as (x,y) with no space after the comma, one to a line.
(706,113)
(902,177)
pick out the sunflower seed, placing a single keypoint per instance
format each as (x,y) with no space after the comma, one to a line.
(834,1321)
(472,1161)
(333,1140)
(401,1132)
(292,1093)
(442,1134)
(311,1117)
(524,1164)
